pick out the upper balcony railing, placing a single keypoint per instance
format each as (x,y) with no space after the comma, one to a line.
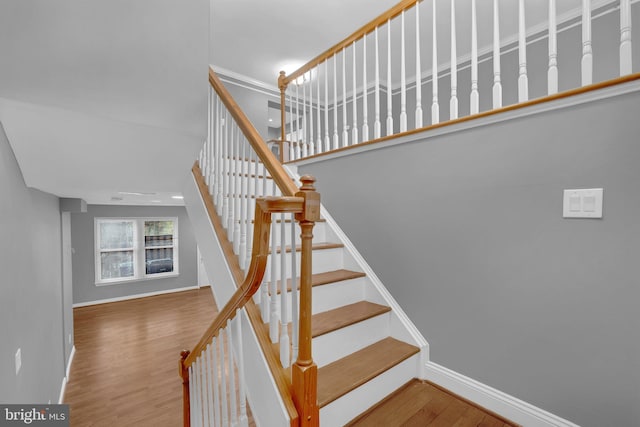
(376,83)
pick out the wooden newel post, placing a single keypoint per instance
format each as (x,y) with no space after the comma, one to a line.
(184,374)
(304,372)
(283,108)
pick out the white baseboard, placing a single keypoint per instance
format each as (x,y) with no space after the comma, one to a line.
(65,379)
(494,400)
(136,296)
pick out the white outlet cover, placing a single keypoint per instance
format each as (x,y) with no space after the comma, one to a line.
(582,203)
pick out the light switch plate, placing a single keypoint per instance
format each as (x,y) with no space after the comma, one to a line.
(582,203)
(18,361)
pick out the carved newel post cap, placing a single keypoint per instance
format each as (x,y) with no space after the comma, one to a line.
(307,183)
(184,354)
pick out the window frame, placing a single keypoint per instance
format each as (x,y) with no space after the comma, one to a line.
(139,250)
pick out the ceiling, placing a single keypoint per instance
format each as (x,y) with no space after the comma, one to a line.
(106,100)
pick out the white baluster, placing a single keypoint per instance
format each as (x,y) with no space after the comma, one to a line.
(497,84)
(244,204)
(208,399)
(284,329)
(587,50)
(304,152)
(297,140)
(273,290)
(194,399)
(354,129)
(475,96)
(345,125)
(223,380)
(292,151)
(435,107)
(389,87)
(418,71)
(523,80)
(206,167)
(403,79)
(266,313)
(217,415)
(552,72)
(365,85)
(251,193)
(227,163)
(192,395)
(294,292)
(327,140)
(244,420)
(336,138)
(453,102)
(310,141)
(238,195)
(376,123)
(220,158)
(232,183)
(319,133)
(625,38)
(233,396)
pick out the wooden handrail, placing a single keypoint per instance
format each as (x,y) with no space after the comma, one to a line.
(262,220)
(286,185)
(355,36)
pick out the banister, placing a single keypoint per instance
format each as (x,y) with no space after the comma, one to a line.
(355,36)
(270,161)
(262,220)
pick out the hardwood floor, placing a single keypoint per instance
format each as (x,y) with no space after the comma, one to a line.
(125,370)
(420,404)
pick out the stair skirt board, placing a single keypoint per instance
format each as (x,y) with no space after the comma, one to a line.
(347,407)
(494,400)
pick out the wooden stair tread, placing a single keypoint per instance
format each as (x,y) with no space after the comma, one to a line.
(315,247)
(421,403)
(326,278)
(342,376)
(329,321)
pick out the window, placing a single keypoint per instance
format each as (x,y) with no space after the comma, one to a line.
(135,248)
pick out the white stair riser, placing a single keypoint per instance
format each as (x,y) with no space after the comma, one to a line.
(335,345)
(323,260)
(341,411)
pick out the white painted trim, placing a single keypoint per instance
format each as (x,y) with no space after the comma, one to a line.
(135,296)
(65,379)
(248,82)
(559,104)
(494,400)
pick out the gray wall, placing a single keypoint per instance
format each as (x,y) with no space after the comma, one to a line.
(82,236)
(466,231)
(31,288)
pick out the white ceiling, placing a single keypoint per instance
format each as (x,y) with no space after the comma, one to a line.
(101,99)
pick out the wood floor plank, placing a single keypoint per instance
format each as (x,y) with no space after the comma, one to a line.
(125,370)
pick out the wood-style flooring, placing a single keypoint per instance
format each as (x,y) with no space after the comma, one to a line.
(125,370)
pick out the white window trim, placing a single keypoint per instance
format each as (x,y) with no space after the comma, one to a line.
(139,247)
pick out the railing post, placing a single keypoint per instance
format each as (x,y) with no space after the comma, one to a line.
(283,108)
(304,372)
(184,374)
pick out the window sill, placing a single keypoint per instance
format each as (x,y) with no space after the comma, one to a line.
(138,279)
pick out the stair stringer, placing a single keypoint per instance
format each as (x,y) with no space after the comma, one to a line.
(400,326)
(266,403)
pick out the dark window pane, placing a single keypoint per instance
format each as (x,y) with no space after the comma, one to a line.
(159,260)
(116,264)
(158,233)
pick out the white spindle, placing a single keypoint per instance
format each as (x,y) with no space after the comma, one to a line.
(435,107)
(203,387)
(389,87)
(273,291)
(376,123)
(244,217)
(217,414)
(223,380)
(523,80)
(327,140)
(310,141)
(233,407)
(303,140)
(403,79)
(219,157)
(497,84)
(475,96)
(625,38)
(319,133)
(365,107)
(587,50)
(453,102)
(227,163)
(418,71)
(284,329)
(244,420)
(552,73)
(206,167)
(354,128)
(196,405)
(345,125)
(264,299)
(232,183)
(336,138)
(251,194)
(294,292)
(238,195)
(209,384)
(292,152)
(297,140)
